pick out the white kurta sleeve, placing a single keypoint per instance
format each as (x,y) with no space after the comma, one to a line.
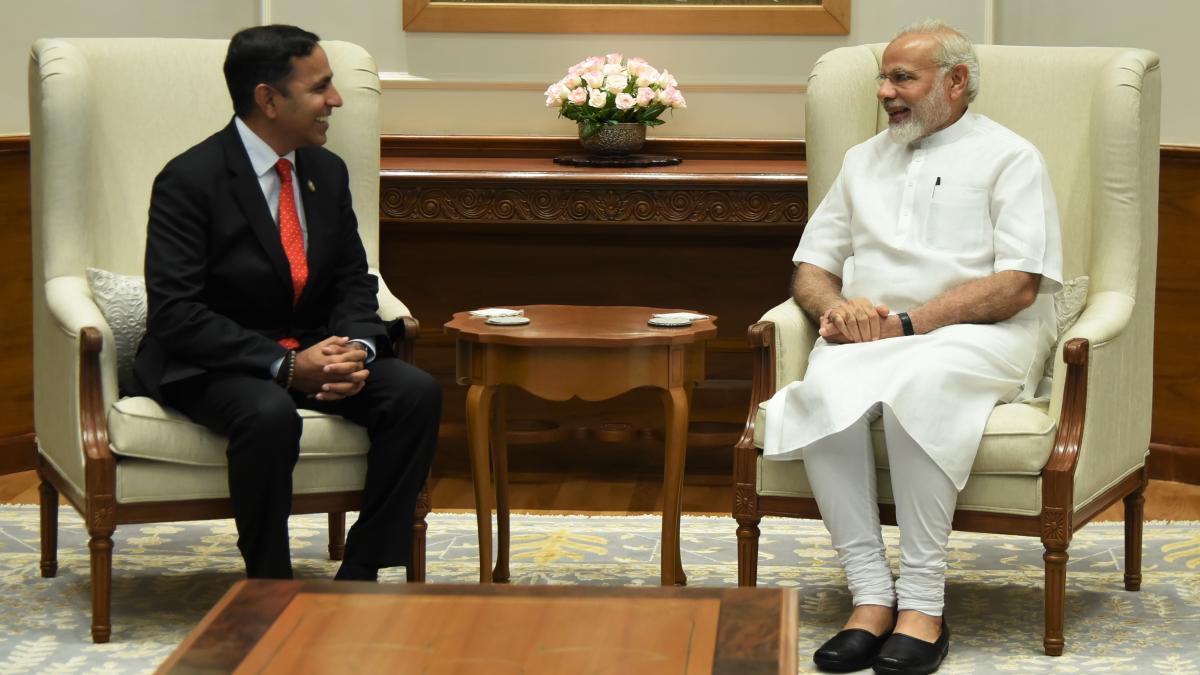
(826,241)
(1026,233)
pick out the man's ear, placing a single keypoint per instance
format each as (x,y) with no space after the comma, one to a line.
(958,77)
(267,100)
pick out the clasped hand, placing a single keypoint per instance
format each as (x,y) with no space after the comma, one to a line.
(333,369)
(857,320)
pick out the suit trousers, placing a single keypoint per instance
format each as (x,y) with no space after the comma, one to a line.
(400,406)
(841,471)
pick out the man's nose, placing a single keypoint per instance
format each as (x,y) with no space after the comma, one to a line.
(334,97)
(886,90)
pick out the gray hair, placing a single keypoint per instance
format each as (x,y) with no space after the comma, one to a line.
(954,48)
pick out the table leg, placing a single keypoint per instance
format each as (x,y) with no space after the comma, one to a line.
(675,404)
(499,442)
(479,402)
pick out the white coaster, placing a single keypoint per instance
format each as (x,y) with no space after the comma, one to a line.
(508,320)
(496,311)
(669,322)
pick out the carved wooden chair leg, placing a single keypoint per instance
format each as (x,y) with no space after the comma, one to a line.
(101,547)
(1133,537)
(747,549)
(1056,558)
(415,571)
(337,535)
(49,523)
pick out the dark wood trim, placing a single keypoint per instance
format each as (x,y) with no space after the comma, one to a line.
(16,143)
(1175,463)
(18,453)
(1191,152)
(550,146)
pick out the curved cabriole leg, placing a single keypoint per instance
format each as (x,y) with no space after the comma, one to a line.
(499,444)
(337,535)
(415,571)
(479,408)
(1134,503)
(676,410)
(49,522)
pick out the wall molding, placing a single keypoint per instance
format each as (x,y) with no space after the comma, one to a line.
(408,81)
(550,146)
(14,143)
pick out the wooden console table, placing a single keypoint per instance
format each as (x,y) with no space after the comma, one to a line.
(484,221)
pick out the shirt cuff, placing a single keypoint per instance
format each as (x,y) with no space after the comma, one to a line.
(369,343)
(275,367)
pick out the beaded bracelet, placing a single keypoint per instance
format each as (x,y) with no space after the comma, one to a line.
(287,370)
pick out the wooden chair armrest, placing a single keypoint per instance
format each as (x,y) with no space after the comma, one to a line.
(404,332)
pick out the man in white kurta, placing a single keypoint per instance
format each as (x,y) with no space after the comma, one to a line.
(930,266)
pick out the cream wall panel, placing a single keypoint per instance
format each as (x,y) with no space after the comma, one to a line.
(1164,26)
(521,112)
(23,21)
(472,63)
(472,73)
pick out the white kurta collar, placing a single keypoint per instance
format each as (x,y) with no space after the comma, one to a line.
(952,133)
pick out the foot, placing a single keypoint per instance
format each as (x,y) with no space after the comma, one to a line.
(875,619)
(352,571)
(856,646)
(919,625)
(906,655)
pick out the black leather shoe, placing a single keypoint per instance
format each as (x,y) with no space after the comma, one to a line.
(351,571)
(849,650)
(907,655)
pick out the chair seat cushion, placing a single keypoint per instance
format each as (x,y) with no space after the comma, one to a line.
(140,480)
(1005,478)
(140,427)
(1017,440)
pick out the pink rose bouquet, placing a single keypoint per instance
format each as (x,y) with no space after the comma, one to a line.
(611,90)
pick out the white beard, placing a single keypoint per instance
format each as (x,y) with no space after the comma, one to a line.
(929,113)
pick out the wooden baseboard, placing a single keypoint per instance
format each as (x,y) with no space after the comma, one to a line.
(1176,463)
(17,453)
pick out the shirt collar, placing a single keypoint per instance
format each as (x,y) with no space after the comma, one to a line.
(952,133)
(262,157)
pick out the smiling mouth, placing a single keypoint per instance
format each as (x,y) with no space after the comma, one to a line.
(896,113)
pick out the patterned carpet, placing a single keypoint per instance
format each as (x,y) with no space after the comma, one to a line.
(168,575)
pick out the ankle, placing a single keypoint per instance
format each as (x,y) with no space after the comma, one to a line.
(876,619)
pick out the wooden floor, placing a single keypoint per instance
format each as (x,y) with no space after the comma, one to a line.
(557,494)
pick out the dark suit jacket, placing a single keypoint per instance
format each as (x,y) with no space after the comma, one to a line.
(218,281)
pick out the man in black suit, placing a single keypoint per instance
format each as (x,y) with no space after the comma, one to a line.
(260,303)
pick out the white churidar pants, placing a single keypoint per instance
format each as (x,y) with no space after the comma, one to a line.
(841,470)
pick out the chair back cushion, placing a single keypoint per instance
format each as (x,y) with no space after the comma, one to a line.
(1079,106)
(107,114)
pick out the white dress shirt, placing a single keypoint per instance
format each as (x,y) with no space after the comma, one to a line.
(262,160)
(901,225)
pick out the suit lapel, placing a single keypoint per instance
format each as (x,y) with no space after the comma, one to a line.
(254,206)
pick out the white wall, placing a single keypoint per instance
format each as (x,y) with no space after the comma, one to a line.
(1167,27)
(23,21)
(456,83)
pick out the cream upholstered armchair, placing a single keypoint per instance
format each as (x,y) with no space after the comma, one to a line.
(106,115)
(1048,466)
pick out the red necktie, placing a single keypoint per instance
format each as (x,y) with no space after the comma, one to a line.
(292,238)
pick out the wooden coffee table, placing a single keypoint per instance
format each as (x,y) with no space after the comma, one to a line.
(263,626)
(567,351)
